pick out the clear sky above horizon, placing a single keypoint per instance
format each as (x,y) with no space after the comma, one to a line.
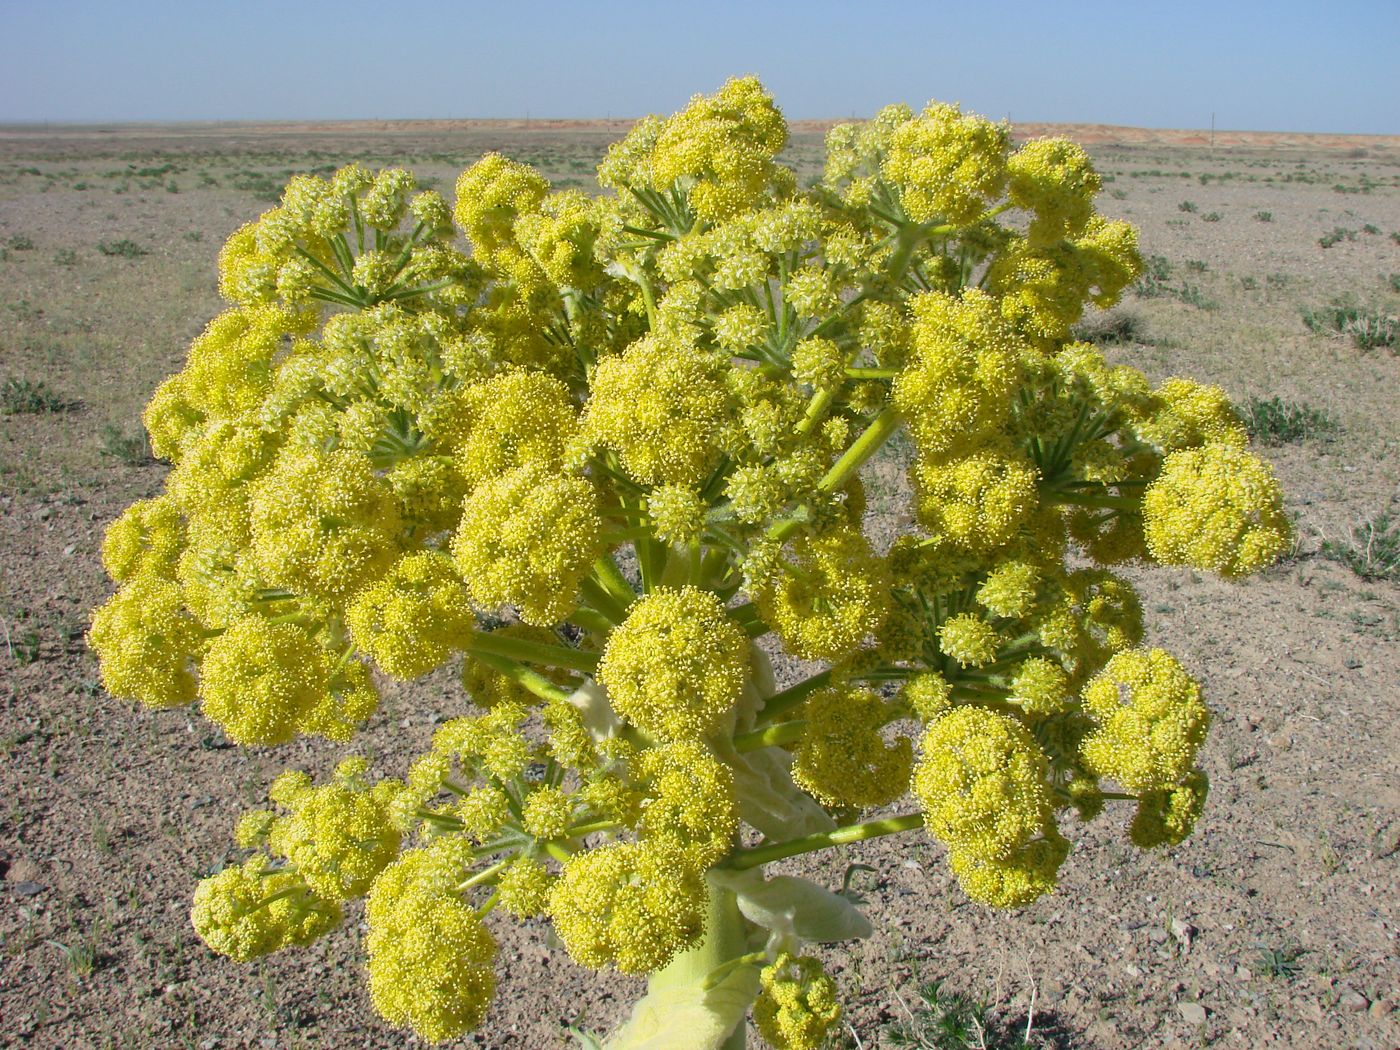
(1289,65)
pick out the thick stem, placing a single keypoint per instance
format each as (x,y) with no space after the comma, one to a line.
(725,940)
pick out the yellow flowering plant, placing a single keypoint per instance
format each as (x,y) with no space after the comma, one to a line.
(606,454)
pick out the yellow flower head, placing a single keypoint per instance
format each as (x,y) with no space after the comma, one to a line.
(956,389)
(977,502)
(1055,179)
(1191,414)
(797,1004)
(690,807)
(676,666)
(429,956)
(1013,881)
(723,146)
(629,905)
(147,539)
(1149,719)
(246,912)
(662,408)
(842,760)
(262,682)
(969,639)
(836,592)
(981,782)
(1216,508)
(946,166)
(518,418)
(146,643)
(927,695)
(412,617)
(1041,687)
(1166,817)
(323,524)
(524,888)
(338,836)
(527,539)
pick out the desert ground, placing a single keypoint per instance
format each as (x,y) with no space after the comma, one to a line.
(1274,272)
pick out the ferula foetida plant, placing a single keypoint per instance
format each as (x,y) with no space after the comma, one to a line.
(604,457)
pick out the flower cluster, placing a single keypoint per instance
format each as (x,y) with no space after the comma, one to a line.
(603,456)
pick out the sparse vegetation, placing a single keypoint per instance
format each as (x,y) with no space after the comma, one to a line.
(125,249)
(1186,206)
(1371,549)
(1282,963)
(1111,328)
(1263,216)
(1274,421)
(945,1020)
(134,450)
(1369,328)
(31,397)
(1337,235)
(1212,216)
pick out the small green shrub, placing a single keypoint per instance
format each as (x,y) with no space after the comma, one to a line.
(1117,328)
(1212,216)
(954,1021)
(1281,963)
(134,450)
(1197,265)
(65,257)
(1187,206)
(1263,216)
(1368,328)
(20,243)
(1337,235)
(1371,549)
(1371,228)
(123,248)
(1274,421)
(27,397)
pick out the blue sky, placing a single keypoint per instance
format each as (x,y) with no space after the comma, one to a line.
(1298,65)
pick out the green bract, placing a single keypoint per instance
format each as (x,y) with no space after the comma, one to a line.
(607,455)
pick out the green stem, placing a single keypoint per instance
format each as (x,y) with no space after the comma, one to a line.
(1091,499)
(530,652)
(610,576)
(782,702)
(743,859)
(485,875)
(771,736)
(525,677)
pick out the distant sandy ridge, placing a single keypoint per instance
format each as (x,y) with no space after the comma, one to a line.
(1089,134)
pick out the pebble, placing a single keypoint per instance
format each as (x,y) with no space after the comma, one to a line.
(1192,1013)
(1382,1008)
(1157,935)
(29,888)
(1183,931)
(1353,1002)
(1244,973)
